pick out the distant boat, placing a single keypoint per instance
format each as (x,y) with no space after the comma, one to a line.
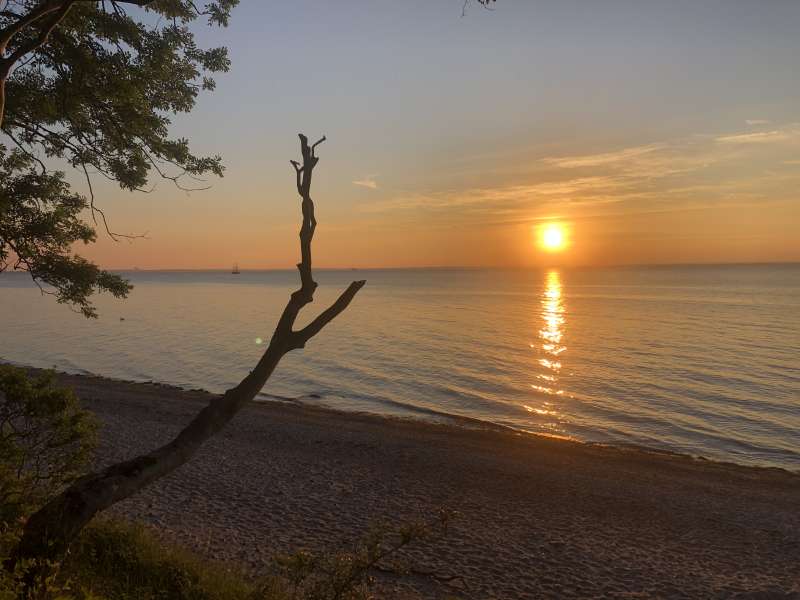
(235,270)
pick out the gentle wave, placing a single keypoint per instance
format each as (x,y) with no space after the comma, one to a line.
(700,360)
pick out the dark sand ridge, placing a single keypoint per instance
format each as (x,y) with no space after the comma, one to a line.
(540,518)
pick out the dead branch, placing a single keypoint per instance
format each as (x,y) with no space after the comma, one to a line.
(48,533)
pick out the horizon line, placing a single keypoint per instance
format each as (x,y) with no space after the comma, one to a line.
(465,267)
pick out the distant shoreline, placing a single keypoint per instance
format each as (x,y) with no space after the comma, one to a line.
(791,263)
(538,517)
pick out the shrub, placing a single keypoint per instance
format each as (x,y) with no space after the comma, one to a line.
(121,561)
(46,441)
(348,575)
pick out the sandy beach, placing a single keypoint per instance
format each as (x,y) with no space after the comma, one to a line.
(538,517)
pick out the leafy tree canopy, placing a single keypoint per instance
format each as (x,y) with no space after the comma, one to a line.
(92,84)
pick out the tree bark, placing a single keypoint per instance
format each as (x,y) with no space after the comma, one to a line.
(48,533)
(2,94)
(52,9)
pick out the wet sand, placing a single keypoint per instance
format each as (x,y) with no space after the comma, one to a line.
(539,518)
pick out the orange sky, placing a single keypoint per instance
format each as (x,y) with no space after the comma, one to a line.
(652,132)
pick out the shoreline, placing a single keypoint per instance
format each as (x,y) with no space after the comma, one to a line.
(438,418)
(538,517)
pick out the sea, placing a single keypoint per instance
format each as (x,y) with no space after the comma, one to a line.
(702,360)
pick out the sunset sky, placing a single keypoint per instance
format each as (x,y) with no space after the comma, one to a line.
(654,131)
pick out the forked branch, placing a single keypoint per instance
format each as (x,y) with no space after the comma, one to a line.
(49,532)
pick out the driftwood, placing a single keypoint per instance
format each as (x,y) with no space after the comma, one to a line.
(48,533)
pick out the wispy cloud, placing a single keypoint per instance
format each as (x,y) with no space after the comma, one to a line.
(502,197)
(647,162)
(367,182)
(756,122)
(606,158)
(680,174)
(763,137)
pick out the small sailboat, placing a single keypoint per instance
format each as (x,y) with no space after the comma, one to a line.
(235,270)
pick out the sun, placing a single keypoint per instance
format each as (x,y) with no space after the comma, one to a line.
(553,237)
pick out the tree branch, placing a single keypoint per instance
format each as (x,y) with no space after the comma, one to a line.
(44,33)
(8,32)
(300,337)
(95,211)
(49,531)
(32,19)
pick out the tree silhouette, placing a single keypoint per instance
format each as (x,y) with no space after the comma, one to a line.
(93,85)
(50,530)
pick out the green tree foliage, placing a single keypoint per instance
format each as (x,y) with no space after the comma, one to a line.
(93,85)
(40,220)
(46,441)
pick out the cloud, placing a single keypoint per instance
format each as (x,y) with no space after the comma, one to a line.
(648,162)
(754,122)
(673,175)
(509,200)
(762,137)
(606,158)
(367,182)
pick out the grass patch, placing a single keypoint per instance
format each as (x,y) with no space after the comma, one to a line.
(118,560)
(121,561)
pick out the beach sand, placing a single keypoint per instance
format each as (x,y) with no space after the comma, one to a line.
(538,517)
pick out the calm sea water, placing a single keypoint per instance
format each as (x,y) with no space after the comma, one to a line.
(702,360)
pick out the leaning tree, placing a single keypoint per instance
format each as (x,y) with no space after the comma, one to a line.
(91,83)
(53,527)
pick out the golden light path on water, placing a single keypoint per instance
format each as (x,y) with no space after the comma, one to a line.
(550,344)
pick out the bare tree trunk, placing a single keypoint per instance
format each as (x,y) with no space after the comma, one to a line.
(2,94)
(5,72)
(49,531)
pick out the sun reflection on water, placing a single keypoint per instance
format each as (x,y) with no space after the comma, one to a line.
(550,346)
